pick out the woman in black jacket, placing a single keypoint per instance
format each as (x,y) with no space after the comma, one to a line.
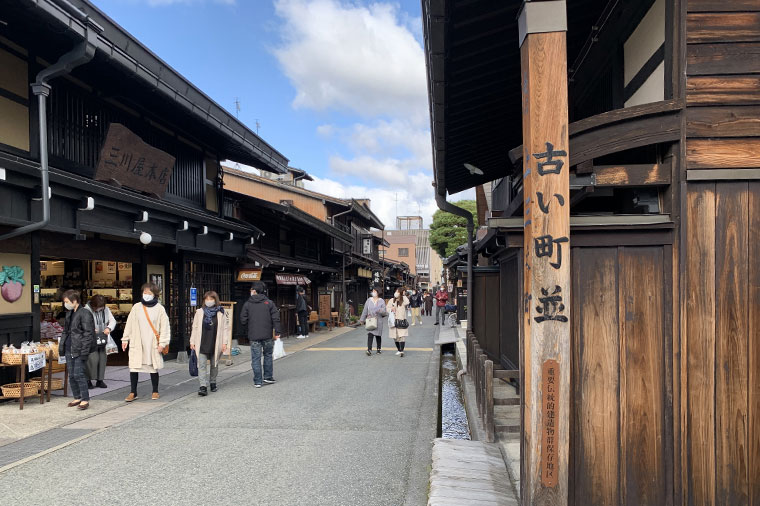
(77,342)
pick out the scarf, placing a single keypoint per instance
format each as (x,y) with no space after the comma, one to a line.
(151,303)
(209,313)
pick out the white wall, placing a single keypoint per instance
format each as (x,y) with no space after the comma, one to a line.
(640,46)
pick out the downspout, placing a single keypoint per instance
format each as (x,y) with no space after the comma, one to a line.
(81,54)
(448,207)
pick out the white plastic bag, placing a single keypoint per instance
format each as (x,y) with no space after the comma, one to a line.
(111,347)
(279,350)
(392,319)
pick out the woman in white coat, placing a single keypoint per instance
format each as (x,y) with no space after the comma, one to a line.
(397,305)
(210,340)
(147,335)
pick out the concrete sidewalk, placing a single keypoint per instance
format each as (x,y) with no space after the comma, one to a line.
(337,428)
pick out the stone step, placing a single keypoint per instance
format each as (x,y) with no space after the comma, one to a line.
(506,429)
(506,401)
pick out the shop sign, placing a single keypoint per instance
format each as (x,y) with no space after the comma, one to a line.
(291,279)
(245,275)
(36,361)
(364,273)
(127,159)
(193,297)
(367,246)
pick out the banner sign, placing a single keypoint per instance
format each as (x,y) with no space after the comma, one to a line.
(291,279)
(133,163)
(193,297)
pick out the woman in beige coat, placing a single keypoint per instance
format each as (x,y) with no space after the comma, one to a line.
(398,305)
(146,334)
(210,340)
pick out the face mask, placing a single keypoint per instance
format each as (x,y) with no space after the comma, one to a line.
(414,293)
(68,305)
(210,303)
(253,293)
(147,298)
(396,294)
(374,294)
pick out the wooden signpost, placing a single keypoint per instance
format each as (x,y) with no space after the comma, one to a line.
(546,349)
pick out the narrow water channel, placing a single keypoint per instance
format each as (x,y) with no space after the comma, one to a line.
(453,415)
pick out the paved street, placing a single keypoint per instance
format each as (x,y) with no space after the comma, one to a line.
(338,428)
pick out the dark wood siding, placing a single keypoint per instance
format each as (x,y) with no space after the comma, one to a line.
(486,304)
(621,448)
(511,294)
(723,351)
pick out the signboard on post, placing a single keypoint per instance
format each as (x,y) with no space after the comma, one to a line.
(193,297)
(546,304)
(36,361)
(128,160)
(229,317)
(324,306)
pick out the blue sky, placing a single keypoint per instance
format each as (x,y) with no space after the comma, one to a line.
(337,86)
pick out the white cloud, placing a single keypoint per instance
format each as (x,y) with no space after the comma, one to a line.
(363,59)
(384,201)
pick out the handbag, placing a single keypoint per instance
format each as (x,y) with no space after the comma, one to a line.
(402,324)
(101,339)
(193,363)
(158,337)
(370,323)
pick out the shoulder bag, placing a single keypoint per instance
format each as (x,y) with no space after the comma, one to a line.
(155,333)
(370,323)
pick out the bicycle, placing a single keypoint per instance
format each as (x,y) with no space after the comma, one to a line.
(450,315)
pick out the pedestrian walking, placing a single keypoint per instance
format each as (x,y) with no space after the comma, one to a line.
(262,318)
(441,297)
(302,312)
(76,344)
(428,303)
(209,339)
(399,332)
(147,336)
(415,302)
(375,307)
(104,323)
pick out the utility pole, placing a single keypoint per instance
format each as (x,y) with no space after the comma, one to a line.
(546,181)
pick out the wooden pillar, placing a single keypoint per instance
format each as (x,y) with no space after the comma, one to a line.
(546,347)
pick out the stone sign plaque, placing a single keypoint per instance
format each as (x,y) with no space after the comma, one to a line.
(128,160)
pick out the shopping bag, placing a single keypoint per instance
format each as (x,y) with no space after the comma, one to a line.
(111,347)
(193,363)
(279,350)
(370,323)
(392,319)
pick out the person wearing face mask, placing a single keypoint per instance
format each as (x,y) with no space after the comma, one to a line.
(374,307)
(77,341)
(147,335)
(209,339)
(398,305)
(415,302)
(105,323)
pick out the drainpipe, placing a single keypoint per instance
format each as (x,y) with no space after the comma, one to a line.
(81,54)
(448,207)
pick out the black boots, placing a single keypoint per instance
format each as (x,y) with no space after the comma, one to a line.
(101,384)
(203,392)
(213,387)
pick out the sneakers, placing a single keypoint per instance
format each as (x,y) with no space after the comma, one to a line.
(401,354)
(379,352)
(257,385)
(131,397)
(155,396)
(202,391)
(300,337)
(369,353)
(101,384)
(269,381)
(398,353)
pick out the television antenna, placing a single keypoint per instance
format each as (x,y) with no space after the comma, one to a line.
(237,107)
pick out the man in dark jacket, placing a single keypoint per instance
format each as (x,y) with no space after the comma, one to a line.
(415,302)
(302,311)
(76,344)
(262,318)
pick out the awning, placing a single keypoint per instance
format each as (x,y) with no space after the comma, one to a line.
(291,279)
(288,263)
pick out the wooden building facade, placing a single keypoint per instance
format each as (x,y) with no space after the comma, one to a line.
(664,156)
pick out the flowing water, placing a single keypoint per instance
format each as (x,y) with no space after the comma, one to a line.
(453,414)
